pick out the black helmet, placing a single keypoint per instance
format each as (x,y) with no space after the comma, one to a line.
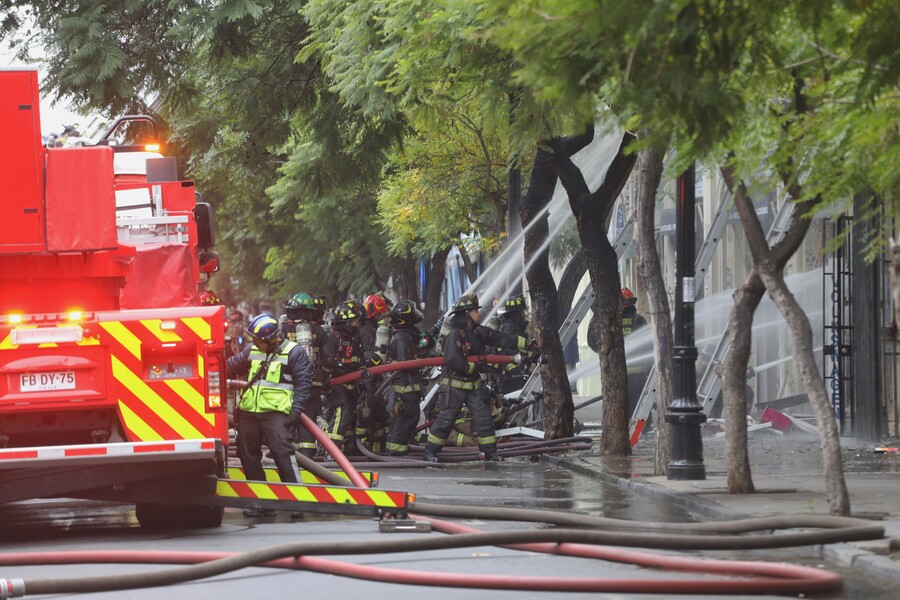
(357,307)
(513,304)
(344,313)
(465,303)
(404,314)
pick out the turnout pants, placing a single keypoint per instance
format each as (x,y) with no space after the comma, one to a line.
(406,417)
(304,440)
(451,402)
(372,418)
(271,427)
(342,405)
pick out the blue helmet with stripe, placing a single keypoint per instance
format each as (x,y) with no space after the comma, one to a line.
(264,328)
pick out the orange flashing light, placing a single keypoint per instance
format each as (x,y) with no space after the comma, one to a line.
(16,317)
(167,325)
(151,147)
(75,315)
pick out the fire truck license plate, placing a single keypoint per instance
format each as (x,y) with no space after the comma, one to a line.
(42,382)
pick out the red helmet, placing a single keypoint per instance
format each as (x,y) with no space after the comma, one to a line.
(377,305)
(627,296)
(209,298)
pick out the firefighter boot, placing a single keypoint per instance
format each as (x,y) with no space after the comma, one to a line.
(431,453)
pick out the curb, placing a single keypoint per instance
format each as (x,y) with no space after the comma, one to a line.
(843,554)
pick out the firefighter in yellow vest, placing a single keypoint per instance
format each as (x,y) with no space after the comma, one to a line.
(279,386)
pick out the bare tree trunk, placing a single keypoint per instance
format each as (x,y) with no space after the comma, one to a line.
(804,358)
(467,264)
(434,284)
(649,270)
(407,275)
(591,210)
(559,410)
(895,280)
(733,374)
(770,263)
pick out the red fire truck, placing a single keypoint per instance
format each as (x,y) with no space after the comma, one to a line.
(111,373)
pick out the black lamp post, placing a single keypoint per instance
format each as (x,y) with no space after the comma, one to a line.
(685,414)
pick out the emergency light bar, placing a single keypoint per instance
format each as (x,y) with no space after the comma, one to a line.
(46,335)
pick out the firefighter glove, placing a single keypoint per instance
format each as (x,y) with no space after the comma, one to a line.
(294,417)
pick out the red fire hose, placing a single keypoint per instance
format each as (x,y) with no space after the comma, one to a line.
(419,363)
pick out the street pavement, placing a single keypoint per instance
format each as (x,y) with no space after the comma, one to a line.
(789,480)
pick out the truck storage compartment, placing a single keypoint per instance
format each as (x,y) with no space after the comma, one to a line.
(21,162)
(80,200)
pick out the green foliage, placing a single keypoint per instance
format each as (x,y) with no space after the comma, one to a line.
(806,88)
(448,181)
(420,60)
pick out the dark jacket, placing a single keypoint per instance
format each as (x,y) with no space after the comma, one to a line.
(298,372)
(405,346)
(347,350)
(462,342)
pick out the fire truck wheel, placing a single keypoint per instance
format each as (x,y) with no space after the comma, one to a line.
(158,516)
(203,516)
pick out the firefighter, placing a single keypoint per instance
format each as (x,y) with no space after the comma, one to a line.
(512,319)
(512,316)
(406,385)
(461,381)
(348,357)
(638,371)
(631,320)
(372,415)
(302,324)
(278,389)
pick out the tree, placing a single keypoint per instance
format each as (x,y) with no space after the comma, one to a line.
(592,209)
(649,175)
(559,410)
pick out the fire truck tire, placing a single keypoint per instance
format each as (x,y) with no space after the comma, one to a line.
(203,517)
(158,516)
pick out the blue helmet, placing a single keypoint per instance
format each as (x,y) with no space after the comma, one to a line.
(264,328)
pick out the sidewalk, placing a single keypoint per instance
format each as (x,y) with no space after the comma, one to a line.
(788,476)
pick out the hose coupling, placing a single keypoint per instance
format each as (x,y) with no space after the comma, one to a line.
(11,588)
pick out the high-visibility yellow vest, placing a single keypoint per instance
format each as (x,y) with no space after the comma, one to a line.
(270,394)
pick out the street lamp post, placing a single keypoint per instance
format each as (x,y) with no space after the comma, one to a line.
(685,414)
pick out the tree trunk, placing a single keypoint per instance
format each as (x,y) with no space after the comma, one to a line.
(407,275)
(804,358)
(649,271)
(568,283)
(770,265)
(591,210)
(733,374)
(433,286)
(559,410)
(467,264)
